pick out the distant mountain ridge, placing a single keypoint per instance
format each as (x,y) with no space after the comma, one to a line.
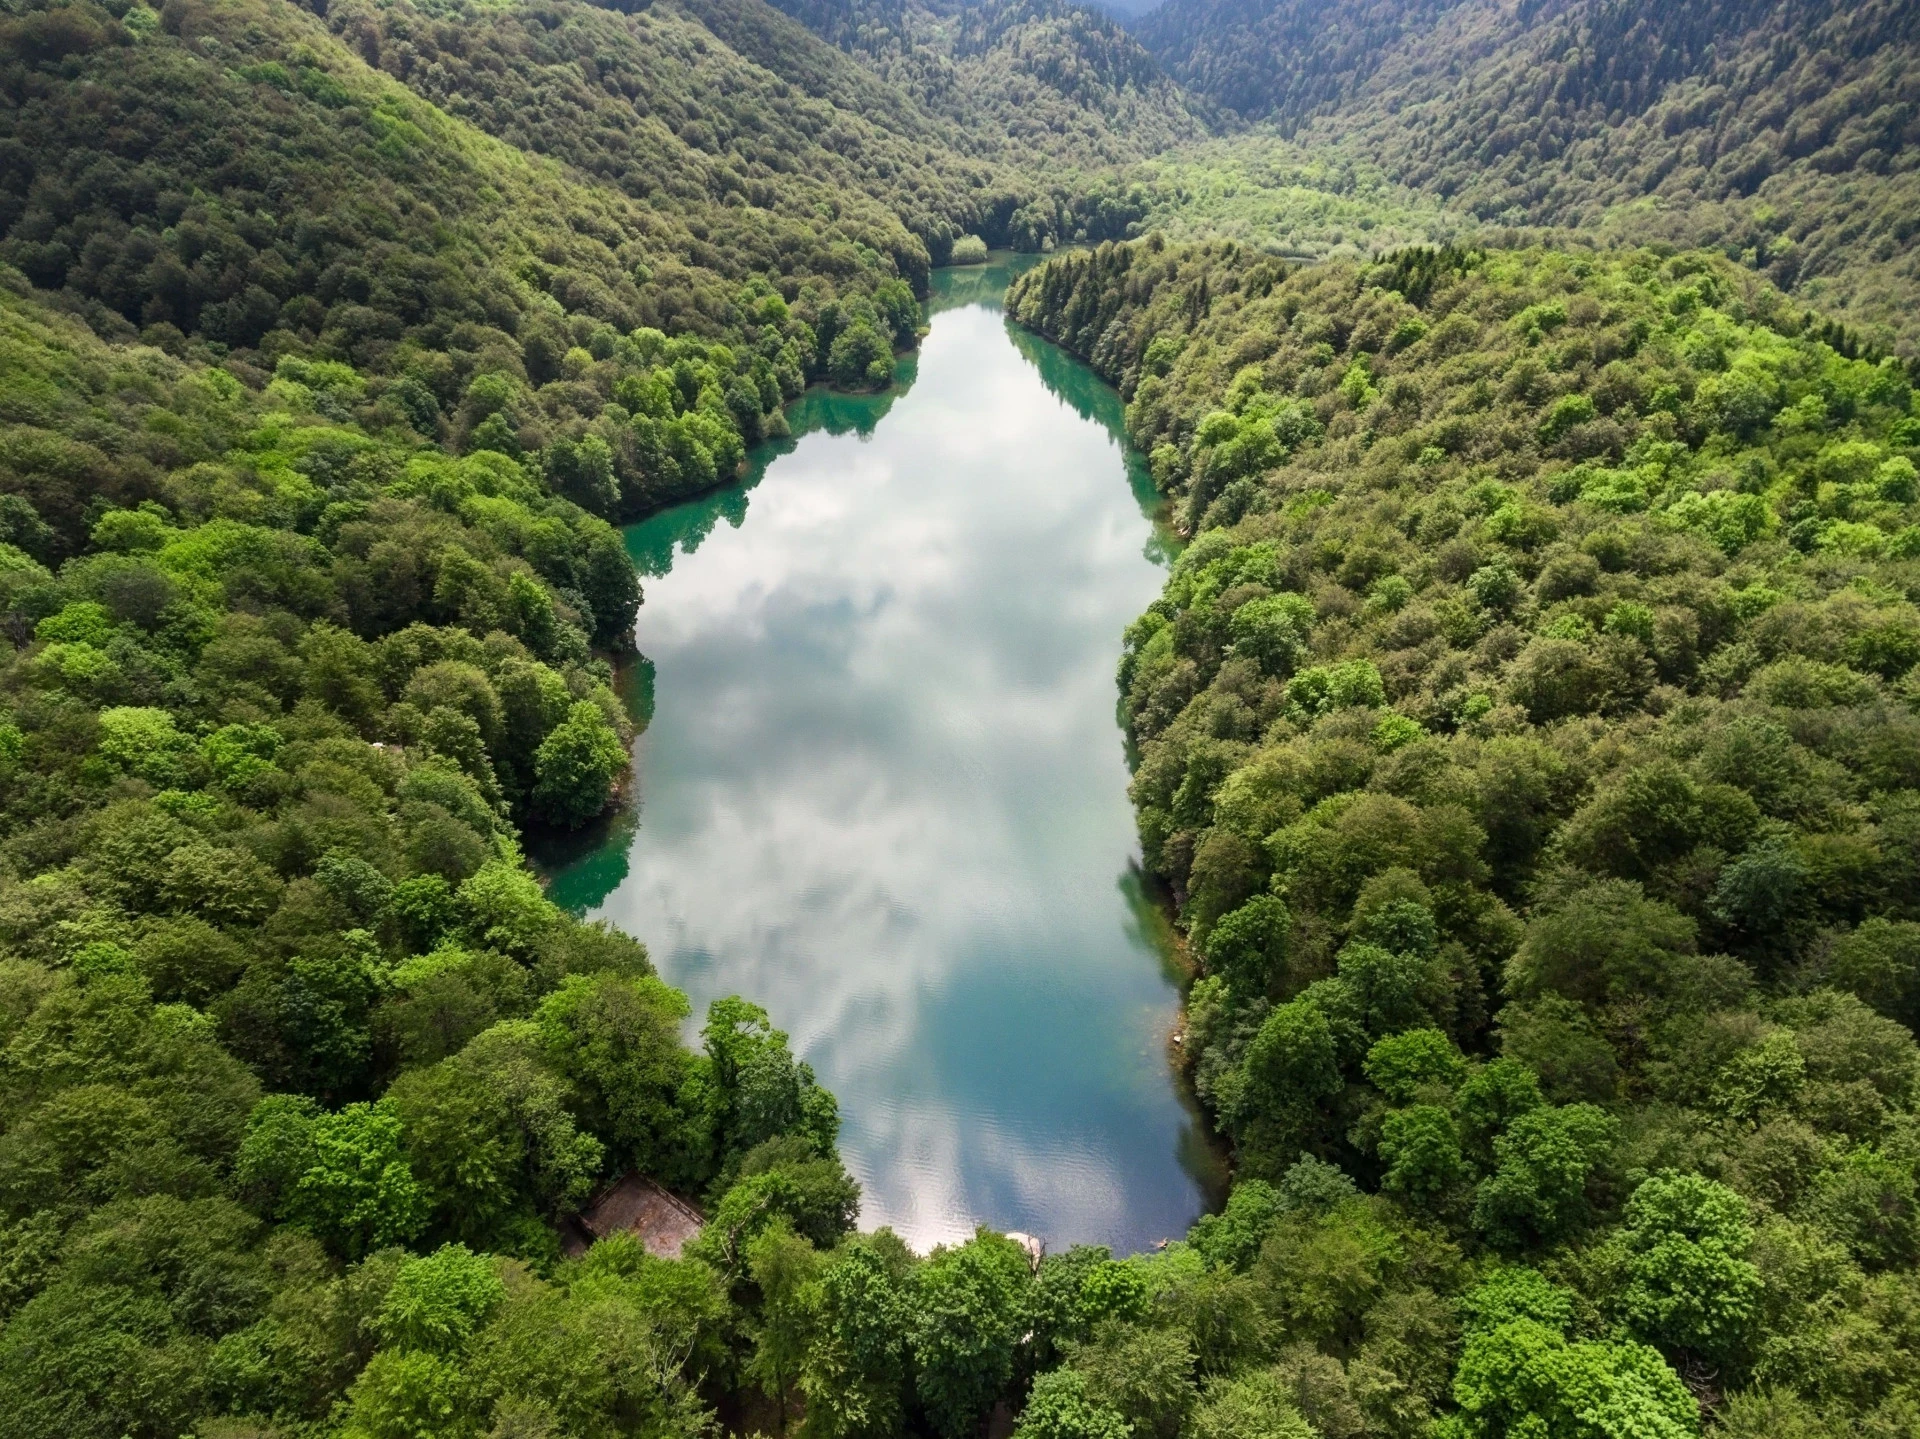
(1049,79)
(1281,61)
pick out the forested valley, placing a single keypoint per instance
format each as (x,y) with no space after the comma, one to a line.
(1527,739)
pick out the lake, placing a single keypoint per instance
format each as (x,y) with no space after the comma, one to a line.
(882,790)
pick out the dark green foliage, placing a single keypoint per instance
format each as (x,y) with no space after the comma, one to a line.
(576,766)
(1527,732)
(279,996)
(1287,60)
(1062,1406)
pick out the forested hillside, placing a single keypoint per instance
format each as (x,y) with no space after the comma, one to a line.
(1531,736)
(1286,60)
(1044,77)
(229,182)
(1288,201)
(1782,134)
(750,139)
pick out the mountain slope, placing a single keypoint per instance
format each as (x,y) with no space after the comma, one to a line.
(770,122)
(1037,79)
(1281,59)
(256,108)
(1785,134)
(492,197)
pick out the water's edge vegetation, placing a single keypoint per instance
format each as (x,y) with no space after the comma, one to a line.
(304,1069)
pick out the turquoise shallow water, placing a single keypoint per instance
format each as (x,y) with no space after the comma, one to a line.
(882,790)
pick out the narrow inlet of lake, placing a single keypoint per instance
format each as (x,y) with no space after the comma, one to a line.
(882,791)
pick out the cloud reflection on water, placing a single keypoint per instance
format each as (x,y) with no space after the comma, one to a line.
(883,794)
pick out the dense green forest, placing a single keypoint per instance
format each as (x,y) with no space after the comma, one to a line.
(1529,737)
(1288,201)
(231,183)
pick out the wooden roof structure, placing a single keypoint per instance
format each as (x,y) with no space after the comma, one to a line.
(634,1204)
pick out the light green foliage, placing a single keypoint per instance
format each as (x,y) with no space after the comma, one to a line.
(145,741)
(1512,1292)
(502,906)
(1523,1378)
(1271,631)
(240,754)
(1538,682)
(341,1177)
(437,1302)
(1403,1064)
(1060,1406)
(405,1393)
(1538,1189)
(1692,1286)
(1259,1405)
(1422,1151)
(1113,1289)
(1322,688)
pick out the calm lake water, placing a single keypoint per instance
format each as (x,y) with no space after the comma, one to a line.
(883,792)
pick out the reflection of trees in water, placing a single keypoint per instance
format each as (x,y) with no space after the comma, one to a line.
(1092,398)
(654,541)
(836,413)
(1201,1152)
(583,866)
(1071,382)
(985,285)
